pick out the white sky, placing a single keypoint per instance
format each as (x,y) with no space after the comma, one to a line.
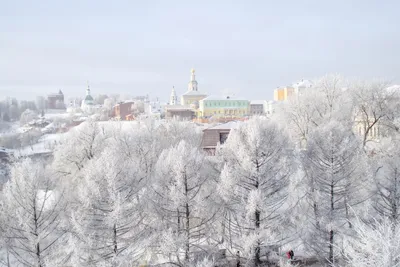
(138,47)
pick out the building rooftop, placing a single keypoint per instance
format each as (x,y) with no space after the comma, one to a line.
(226,126)
(303,83)
(194,93)
(216,97)
(178,107)
(393,88)
(257,102)
(283,87)
(88,98)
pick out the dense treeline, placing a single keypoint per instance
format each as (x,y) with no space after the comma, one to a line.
(320,176)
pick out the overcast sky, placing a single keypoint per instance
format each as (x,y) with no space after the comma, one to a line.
(244,47)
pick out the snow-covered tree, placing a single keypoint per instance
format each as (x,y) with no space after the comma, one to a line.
(80,145)
(254,184)
(138,107)
(99,99)
(29,138)
(327,99)
(386,193)
(141,145)
(109,213)
(375,244)
(181,193)
(34,206)
(376,108)
(27,116)
(172,132)
(335,181)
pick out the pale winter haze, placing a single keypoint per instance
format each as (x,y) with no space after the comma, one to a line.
(317,178)
(247,48)
(199,133)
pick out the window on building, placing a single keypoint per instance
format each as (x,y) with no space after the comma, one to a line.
(223,137)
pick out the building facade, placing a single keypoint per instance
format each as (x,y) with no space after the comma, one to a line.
(257,107)
(88,106)
(301,86)
(123,110)
(179,112)
(217,135)
(269,107)
(192,96)
(56,101)
(218,106)
(283,93)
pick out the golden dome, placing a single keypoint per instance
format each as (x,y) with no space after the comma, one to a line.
(192,70)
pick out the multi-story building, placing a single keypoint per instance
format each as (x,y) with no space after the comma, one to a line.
(219,106)
(179,112)
(257,107)
(56,101)
(123,110)
(269,107)
(283,93)
(217,135)
(302,85)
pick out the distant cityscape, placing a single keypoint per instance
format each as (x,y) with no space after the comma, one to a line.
(194,104)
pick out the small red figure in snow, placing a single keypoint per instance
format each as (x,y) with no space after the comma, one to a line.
(290,254)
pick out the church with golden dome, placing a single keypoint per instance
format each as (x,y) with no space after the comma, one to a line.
(192,96)
(189,103)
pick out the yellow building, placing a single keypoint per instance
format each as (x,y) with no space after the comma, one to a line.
(218,106)
(192,96)
(283,93)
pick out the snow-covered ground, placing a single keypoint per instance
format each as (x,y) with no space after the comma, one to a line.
(9,127)
(46,144)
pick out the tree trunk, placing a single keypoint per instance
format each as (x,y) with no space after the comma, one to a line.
(187,233)
(187,214)
(347,214)
(257,253)
(35,220)
(331,247)
(395,212)
(257,249)
(8,258)
(115,240)
(331,233)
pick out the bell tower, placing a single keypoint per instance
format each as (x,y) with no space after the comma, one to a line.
(173,98)
(193,83)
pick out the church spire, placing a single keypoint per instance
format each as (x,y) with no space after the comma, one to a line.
(88,89)
(173,99)
(192,77)
(193,83)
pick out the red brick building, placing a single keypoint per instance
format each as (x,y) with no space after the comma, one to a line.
(56,101)
(217,135)
(123,111)
(179,112)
